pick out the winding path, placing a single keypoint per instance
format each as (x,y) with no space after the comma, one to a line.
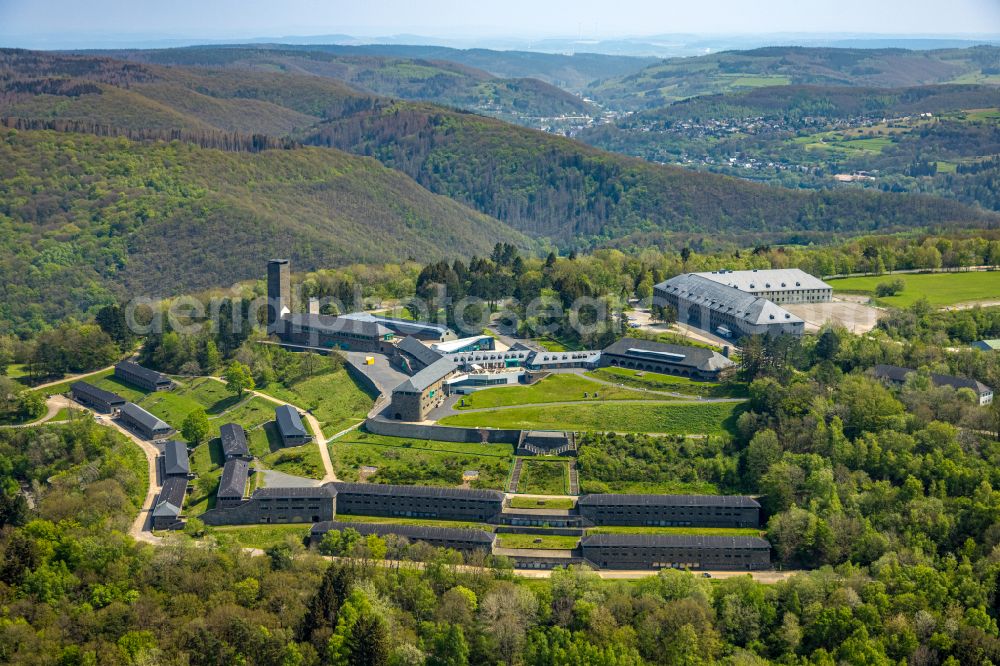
(321,441)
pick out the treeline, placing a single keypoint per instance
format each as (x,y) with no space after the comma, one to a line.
(550,186)
(216,140)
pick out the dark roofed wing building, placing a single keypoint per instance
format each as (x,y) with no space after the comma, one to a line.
(439,537)
(897,375)
(413,356)
(169,505)
(269,505)
(421,330)
(681,360)
(376,499)
(142,422)
(417,396)
(234,441)
(144,378)
(332,332)
(290,427)
(233,483)
(175,459)
(659,551)
(96,398)
(670,510)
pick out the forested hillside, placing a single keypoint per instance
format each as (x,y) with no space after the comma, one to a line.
(545,185)
(730,71)
(115,93)
(85,219)
(438,81)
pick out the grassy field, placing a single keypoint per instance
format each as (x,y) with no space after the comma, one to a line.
(66,413)
(546,541)
(250,414)
(63,387)
(554,345)
(17,370)
(941,289)
(420,462)
(685,531)
(554,388)
(298,460)
(655,417)
(655,381)
(259,536)
(334,398)
(544,477)
(539,503)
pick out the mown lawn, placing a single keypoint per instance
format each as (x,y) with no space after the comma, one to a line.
(420,462)
(298,460)
(333,398)
(939,289)
(63,387)
(554,388)
(680,418)
(250,414)
(655,381)
(539,503)
(544,477)
(546,541)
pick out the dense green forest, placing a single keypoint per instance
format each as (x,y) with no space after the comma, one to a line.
(730,71)
(545,185)
(88,220)
(438,81)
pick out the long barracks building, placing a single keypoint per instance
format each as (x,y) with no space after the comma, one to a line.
(439,537)
(660,551)
(376,499)
(670,510)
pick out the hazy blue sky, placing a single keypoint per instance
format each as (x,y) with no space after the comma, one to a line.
(229,19)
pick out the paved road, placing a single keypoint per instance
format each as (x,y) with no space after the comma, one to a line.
(52,407)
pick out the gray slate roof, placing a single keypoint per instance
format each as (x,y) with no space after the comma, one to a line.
(418,350)
(289,421)
(729,300)
(739,501)
(432,373)
(417,491)
(675,541)
(897,374)
(325,490)
(401,326)
(175,458)
(170,501)
(414,532)
(682,355)
(97,393)
(333,324)
(140,415)
(234,440)
(140,371)
(233,483)
(769,279)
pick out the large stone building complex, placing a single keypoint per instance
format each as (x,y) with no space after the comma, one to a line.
(724,310)
(680,360)
(778,285)
(278,505)
(375,499)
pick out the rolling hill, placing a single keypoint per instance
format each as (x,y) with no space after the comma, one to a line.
(544,185)
(732,71)
(84,219)
(941,139)
(105,91)
(517,99)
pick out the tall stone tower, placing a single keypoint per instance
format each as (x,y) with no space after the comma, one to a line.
(279,293)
